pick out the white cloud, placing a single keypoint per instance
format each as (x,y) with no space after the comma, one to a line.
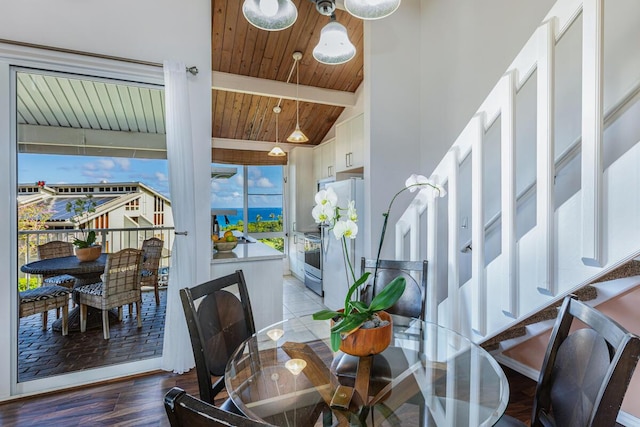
(124,164)
(215,186)
(161,176)
(264,183)
(106,164)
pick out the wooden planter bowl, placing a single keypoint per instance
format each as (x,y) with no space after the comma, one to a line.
(366,342)
(91,253)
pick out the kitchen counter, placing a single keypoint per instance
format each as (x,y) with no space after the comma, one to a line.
(247,252)
(262,267)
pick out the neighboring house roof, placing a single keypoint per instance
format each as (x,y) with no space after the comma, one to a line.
(107,196)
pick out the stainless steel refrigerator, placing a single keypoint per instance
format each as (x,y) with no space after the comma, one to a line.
(335,280)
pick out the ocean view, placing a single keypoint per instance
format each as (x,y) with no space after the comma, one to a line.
(265,215)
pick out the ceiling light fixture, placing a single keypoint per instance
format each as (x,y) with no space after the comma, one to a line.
(297,135)
(371,9)
(334,46)
(270,15)
(277,151)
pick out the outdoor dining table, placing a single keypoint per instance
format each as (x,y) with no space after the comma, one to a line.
(85,273)
(287,375)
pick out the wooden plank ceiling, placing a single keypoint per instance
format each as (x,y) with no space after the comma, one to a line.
(240,48)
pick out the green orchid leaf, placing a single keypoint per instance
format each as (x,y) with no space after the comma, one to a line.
(355,286)
(389,295)
(359,306)
(326,315)
(335,341)
(91,238)
(350,322)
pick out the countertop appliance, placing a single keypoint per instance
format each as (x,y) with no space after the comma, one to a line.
(313,262)
(334,273)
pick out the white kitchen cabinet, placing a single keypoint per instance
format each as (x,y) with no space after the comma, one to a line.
(324,160)
(296,255)
(302,189)
(349,145)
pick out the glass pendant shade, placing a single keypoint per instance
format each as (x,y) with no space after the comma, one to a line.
(277,152)
(371,9)
(334,46)
(297,136)
(270,15)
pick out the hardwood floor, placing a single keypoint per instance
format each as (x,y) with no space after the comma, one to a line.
(138,401)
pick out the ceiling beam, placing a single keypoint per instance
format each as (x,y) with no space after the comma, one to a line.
(240,144)
(276,89)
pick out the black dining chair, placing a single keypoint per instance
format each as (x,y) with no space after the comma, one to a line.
(218,322)
(184,410)
(413,300)
(585,373)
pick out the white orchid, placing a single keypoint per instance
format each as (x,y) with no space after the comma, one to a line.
(347,229)
(327,197)
(351,211)
(419,182)
(323,214)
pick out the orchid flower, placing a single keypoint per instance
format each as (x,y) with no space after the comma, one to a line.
(351,211)
(347,229)
(323,213)
(327,197)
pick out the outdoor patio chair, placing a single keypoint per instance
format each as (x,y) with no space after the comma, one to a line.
(43,299)
(585,373)
(56,249)
(185,410)
(219,324)
(120,286)
(152,252)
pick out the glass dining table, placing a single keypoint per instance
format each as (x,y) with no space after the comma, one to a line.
(287,375)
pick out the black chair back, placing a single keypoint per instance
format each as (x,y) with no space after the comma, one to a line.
(585,374)
(219,324)
(184,410)
(412,302)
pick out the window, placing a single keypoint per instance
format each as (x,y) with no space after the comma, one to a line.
(253,205)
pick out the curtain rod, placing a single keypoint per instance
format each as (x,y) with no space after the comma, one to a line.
(193,70)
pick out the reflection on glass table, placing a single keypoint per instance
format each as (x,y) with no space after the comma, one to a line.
(429,376)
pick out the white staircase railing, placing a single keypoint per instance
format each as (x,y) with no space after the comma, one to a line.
(556,255)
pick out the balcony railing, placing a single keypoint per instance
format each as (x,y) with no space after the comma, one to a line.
(111,239)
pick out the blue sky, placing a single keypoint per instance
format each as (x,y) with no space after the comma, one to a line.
(225,193)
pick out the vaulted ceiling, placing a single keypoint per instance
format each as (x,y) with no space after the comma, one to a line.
(251,67)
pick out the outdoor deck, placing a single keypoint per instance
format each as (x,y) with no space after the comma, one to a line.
(46,353)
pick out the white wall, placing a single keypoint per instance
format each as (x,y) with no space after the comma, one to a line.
(149,30)
(392,116)
(466,46)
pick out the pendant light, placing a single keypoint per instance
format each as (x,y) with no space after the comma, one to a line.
(277,151)
(334,46)
(371,9)
(270,15)
(297,135)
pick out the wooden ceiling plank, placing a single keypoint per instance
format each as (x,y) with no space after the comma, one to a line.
(229,36)
(218,14)
(238,100)
(218,99)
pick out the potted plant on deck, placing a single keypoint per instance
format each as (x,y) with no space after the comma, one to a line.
(362,329)
(86,247)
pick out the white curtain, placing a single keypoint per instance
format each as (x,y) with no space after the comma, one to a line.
(176,353)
